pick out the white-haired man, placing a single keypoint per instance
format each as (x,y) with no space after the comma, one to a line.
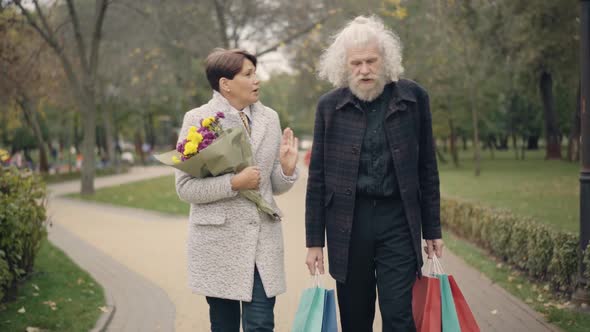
(373,187)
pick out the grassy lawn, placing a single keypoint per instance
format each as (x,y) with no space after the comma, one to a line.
(156,194)
(58,296)
(56,178)
(546,190)
(535,295)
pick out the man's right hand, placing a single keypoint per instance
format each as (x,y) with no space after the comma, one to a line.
(315,257)
(248,178)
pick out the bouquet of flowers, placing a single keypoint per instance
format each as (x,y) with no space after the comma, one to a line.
(211,151)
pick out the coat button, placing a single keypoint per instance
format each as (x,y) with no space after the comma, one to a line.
(343,229)
(348,191)
(396,150)
(355,150)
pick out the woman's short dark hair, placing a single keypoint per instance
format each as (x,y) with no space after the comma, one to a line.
(225,63)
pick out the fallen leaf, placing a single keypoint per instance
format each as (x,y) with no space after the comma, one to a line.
(546,287)
(519,286)
(80,281)
(22,310)
(528,300)
(540,298)
(36,287)
(33,329)
(510,278)
(103,309)
(494,312)
(51,305)
(499,265)
(35,294)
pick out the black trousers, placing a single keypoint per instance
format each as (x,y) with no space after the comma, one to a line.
(381,256)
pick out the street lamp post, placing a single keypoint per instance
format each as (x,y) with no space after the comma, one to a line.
(581,296)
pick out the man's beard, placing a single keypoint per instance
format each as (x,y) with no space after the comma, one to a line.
(364,94)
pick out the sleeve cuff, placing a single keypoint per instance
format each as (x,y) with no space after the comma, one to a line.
(292,178)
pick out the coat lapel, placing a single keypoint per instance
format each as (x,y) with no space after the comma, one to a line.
(260,121)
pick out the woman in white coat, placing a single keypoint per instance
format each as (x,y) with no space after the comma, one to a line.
(235,252)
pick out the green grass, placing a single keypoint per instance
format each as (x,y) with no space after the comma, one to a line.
(58,282)
(536,295)
(156,194)
(56,178)
(548,191)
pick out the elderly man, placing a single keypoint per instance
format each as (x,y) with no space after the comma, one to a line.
(373,187)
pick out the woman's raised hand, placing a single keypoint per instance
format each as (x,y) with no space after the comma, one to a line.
(289,152)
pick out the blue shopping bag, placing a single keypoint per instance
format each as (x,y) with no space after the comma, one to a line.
(329,323)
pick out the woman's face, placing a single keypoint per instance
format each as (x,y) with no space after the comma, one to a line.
(243,88)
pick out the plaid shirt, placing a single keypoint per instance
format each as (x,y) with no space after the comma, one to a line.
(340,126)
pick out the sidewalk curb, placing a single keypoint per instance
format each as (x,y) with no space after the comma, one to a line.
(105,319)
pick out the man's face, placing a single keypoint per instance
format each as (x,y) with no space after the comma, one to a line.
(366,78)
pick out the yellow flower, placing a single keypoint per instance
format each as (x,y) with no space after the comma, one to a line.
(192,129)
(175,160)
(194,137)
(190,148)
(3,155)
(208,121)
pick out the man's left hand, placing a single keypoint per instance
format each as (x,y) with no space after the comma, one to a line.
(434,247)
(289,152)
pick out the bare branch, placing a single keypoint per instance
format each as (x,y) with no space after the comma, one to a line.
(293,36)
(78,35)
(100,14)
(47,35)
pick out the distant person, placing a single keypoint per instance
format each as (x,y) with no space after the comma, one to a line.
(373,186)
(235,252)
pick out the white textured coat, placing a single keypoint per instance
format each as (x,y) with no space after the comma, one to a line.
(227,235)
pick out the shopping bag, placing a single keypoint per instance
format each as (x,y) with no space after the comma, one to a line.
(310,312)
(329,323)
(450,321)
(426,304)
(464,314)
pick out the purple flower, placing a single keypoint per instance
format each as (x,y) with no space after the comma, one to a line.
(220,115)
(180,146)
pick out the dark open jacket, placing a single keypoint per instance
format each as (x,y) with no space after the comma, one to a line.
(333,172)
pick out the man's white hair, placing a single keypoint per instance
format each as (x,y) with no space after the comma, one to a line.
(359,33)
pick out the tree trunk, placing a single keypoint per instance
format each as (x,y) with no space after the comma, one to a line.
(503,143)
(532,142)
(552,141)
(139,146)
(220,15)
(573,148)
(88,108)
(454,153)
(33,122)
(476,152)
(515,145)
(107,118)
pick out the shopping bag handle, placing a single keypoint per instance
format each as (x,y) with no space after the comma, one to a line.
(434,267)
(315,281)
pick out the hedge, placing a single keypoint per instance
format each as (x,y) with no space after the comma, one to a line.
(544,253)
(22,225)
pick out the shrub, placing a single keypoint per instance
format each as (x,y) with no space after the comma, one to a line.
(22,224)
(542,252)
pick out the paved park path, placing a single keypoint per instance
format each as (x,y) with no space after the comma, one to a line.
(139,257)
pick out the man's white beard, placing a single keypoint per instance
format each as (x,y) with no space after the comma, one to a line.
(367,95)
